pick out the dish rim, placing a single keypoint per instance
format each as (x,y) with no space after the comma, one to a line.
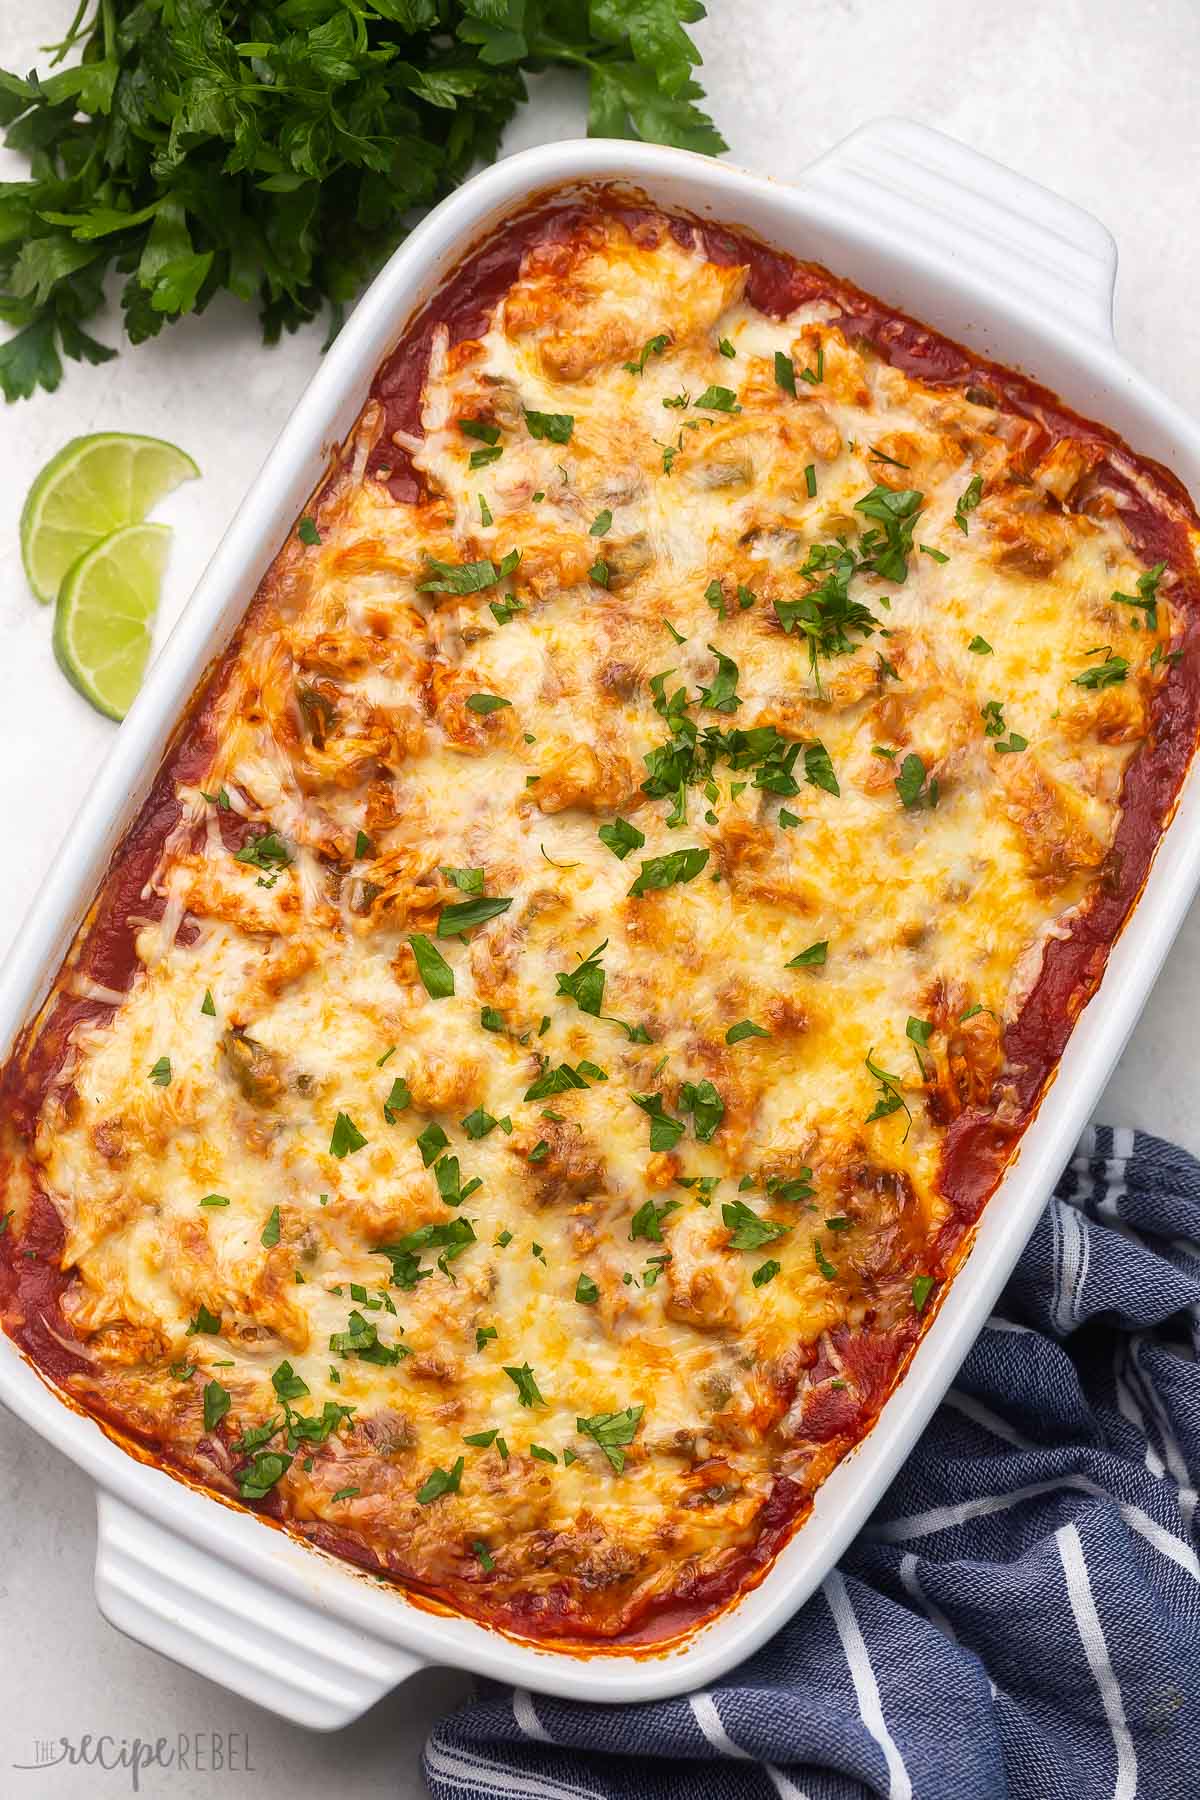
(327,1586)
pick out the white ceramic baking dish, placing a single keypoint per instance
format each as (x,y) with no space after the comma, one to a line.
(985,256)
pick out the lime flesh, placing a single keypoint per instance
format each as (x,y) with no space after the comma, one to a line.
(104,618)
(94,486)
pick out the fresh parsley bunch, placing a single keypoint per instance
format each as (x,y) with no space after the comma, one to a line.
(277,150)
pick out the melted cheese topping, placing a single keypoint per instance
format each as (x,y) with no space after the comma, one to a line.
(563,1375)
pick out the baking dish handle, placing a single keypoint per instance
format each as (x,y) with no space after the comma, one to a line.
(1008,233)
(194,1606)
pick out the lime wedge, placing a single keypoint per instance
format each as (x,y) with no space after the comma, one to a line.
(105,615)
(93,486)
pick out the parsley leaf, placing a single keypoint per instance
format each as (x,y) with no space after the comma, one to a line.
(745,1028)
(968,500)
(812,958)
(666,871)
(747,1231)
(466,914)
(432,967)
(439,1482)
(346,1136)
(523,1380)
(554,427)
(719,399)
(280,152)
(621,837)
(585,985)
(613,1432)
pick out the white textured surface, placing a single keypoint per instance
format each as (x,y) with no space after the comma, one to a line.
(1090,96)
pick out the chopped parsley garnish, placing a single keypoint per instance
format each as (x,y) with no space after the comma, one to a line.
(585,985)
(822,1261)
(719,399)
(161,1072)
(812,958)
(270,1231)
(810,482)
(466,578)
(452,1189)
(266,852)
(204,1322)
(485,1334)
(451,1236)
(586,1291)
(785,373)
(922,1287)
(439,1482)
(478,1123)
(217,1401)
(665,1132)
(504,610)
(918,1032)
(556,428)
(1112,670)
(207,1005)
(486,703)
(910,784)
(613,1432)
(979,646)
(765,1273)
(346,1137)
(746,1230)
(826,615)
(361,1339)
(621,837)
(745,1028)
(523,1380)
(287,1384)
(542,1454)
(307,531)
(215,1200)
(466,914)
(726,348)
(890,1099)
(814,377)
(818,769)
(883,457)
(601,524)
(788,820)
(398,1100)
(887,550)
(540,1151)
(722,696)
(939,556)
(599,572)
(363,845)
(992,714)
(706,1106)
(491,1019)
(647,1220)
(432,967)
(968,500)
(346,1493)
(266,1468)
(476,428)
(652,347)
(1146,599)
(487,1561)
(666,871)
(432,1142)
(552,1081)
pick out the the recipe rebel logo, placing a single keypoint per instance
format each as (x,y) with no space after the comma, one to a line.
(184,1752)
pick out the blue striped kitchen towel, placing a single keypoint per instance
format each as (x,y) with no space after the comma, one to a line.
(1021,1618)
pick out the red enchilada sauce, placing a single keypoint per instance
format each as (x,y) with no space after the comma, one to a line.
(978,1143)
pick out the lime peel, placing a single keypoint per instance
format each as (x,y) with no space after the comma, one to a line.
(95,485)
(104,617)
